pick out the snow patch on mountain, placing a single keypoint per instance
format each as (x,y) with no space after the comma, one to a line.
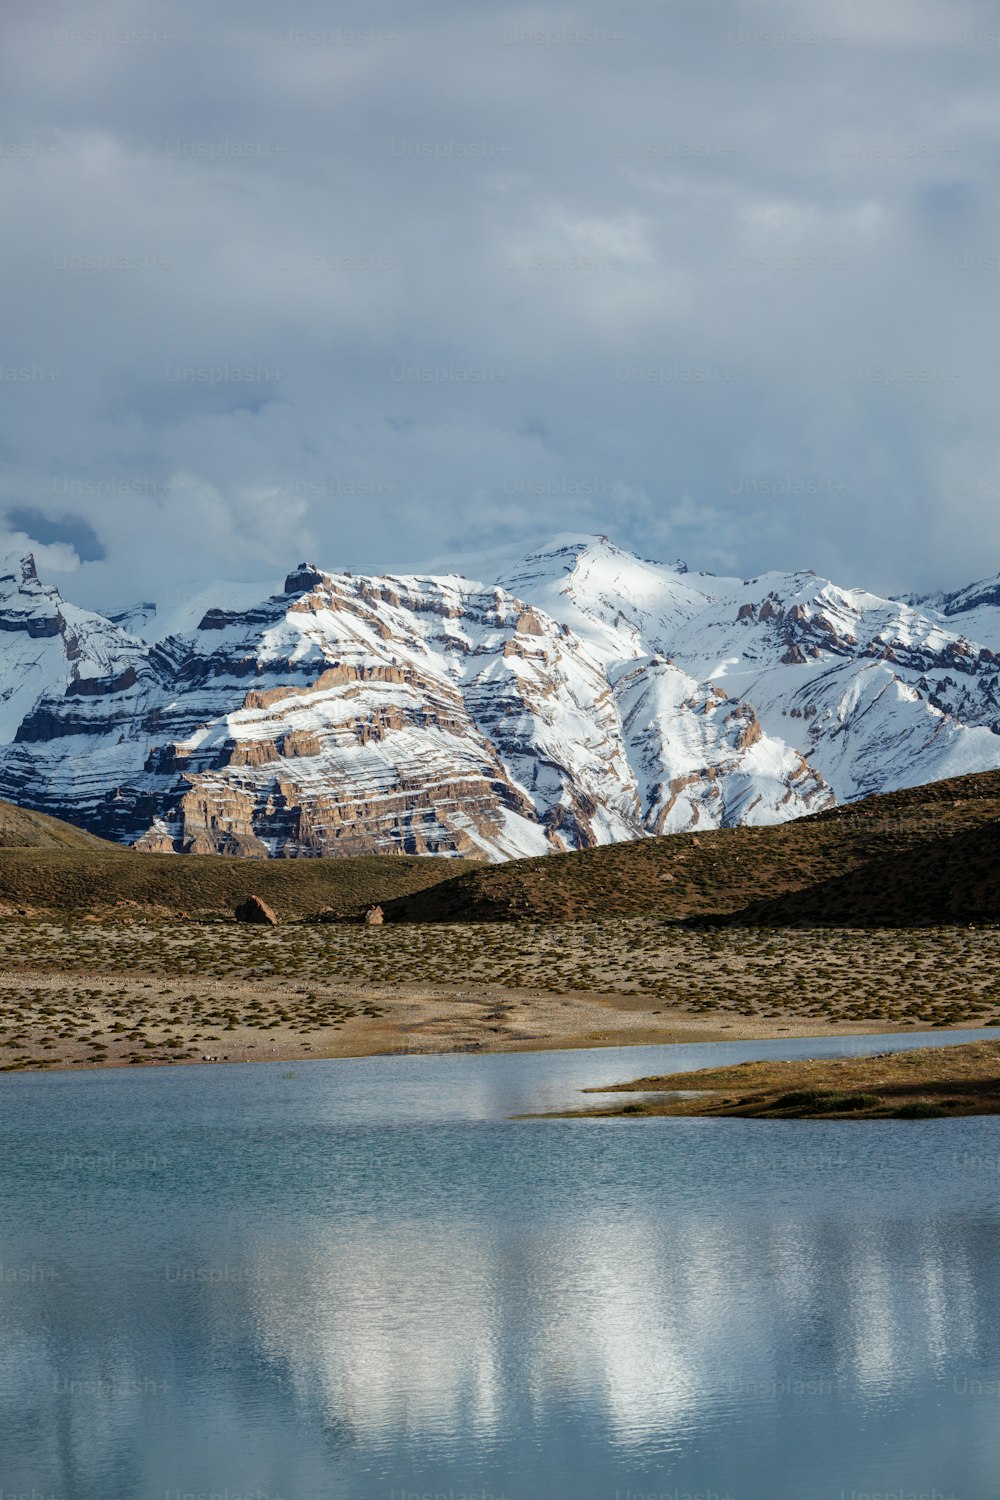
(513,704)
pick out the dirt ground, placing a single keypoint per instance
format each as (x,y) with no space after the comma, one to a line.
(87,994)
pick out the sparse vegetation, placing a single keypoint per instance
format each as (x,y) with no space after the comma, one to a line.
(920,857)
(167,991)
(112,956)
(929,1083)
(108,881)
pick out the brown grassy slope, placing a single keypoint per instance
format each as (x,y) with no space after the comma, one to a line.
(731,871)
(22,829)
(928,855)
(953,879)
(931,1081)
(106,877)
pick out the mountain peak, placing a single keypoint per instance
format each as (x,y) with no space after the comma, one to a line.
(963,601)
(559,696)
(19,568)
(303,579)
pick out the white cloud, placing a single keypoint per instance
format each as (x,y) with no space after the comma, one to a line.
(50,557)
(524,222)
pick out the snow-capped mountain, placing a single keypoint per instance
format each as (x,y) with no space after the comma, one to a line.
(574,696)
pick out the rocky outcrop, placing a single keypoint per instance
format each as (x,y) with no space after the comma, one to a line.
(584,697)
(257,912)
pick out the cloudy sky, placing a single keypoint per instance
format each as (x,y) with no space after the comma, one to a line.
(373,283)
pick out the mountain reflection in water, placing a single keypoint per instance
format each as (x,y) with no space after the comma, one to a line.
(345,1284)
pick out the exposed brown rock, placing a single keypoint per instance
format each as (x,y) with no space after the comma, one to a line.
(528,623)
(155,840)
(374,916)
(261,698)
(217,817)
(750,732)
(256,911)
(301,742)
(253,753)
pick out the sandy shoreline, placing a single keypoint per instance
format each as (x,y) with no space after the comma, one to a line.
(415,1020)
(134,994)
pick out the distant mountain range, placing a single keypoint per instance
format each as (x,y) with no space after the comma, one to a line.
(566,698)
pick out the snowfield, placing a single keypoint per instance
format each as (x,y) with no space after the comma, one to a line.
(572,696)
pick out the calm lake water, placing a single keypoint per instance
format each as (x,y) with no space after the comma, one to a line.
(362,1279)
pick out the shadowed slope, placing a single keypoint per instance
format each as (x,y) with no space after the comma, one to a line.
(924,855)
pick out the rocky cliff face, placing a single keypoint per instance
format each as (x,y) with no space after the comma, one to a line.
(572,697)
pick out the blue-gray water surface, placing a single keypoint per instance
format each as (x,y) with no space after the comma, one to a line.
(363,1279)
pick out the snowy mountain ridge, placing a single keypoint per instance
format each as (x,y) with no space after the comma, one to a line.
(509,705)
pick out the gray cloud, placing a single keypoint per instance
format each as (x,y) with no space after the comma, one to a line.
(376,288)
(72,531)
